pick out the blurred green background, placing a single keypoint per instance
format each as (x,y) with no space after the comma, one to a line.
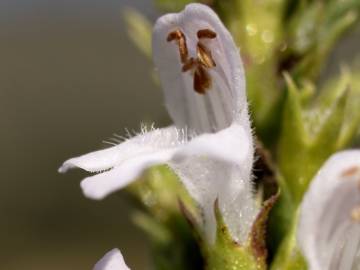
(70,78)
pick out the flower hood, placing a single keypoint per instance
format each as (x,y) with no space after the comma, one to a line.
(210,145)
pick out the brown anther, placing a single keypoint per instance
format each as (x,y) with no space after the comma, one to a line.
(190,64)
(206,33)
(202,80)
(198,65)
(355,214)
(205,56)
(350,171)
(180,38)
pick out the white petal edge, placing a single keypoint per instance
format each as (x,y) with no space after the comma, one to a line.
(113,260)
(99,186)
(145,142)
(231,145)
(325,214)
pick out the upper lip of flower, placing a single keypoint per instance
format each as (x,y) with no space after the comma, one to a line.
(329,230)
(218,117)
(200,35)
(113,260)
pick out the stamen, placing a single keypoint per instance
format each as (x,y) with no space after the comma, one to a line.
(204,56)
(190,64)
(206,33)
(202,80)
(350,171)
(180,38)
(203,60)
(355,214)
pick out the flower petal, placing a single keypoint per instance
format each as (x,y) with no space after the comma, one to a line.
(218,166)
(99,186)
(113,260)
(233,145)
(225,98)
(329,225)
(207,180)
(144,143)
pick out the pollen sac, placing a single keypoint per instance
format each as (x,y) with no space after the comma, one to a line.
(206,33)
(189,65)
(180,38)
(202,80)
(199,63)
(204,56)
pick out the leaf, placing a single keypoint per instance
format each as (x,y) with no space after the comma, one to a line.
(289,257)
(294,140)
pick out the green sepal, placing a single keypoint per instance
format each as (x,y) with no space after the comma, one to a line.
(227,254)
(222,231)
(259,229)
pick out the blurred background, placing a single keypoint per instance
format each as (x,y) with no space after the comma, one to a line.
(70,78)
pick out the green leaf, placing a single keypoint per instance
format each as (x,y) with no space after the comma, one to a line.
(289,256)
(309,136)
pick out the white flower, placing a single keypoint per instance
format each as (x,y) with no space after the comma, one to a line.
(329,225)
(113,260)
(210,145)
